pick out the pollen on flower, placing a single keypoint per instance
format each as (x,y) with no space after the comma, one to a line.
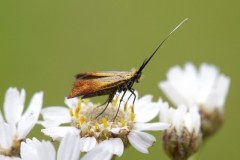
(103,127)
(81,120)
(97,127)
(132,108)
(71,112)
(77,110)
(125,106)
(123,123)
(79,105)
(115,101)
(105,122)
(132,116)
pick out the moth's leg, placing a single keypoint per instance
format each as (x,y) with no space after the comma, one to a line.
(119,105)
(132,91)
(110,98)
(103,109)
(129,97)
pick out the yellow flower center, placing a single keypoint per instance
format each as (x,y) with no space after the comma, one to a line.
(103,127)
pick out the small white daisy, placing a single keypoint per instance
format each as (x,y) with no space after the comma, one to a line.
(69,149)
(127,127)
(15,125)
(183,137)
(205,88)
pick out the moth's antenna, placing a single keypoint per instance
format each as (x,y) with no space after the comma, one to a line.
(145,62)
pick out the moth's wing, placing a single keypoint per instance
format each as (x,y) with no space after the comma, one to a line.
(96,74)
(97,86)
(107,91)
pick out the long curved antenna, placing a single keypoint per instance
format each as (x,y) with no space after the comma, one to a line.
(145,62)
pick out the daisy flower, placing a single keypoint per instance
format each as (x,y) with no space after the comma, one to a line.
(183,137)
(69,149)
(205,88)
(15,125)
(127,128)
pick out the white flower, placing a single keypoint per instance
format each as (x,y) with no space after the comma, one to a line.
(206,87)
(183,137)
(127,127)
(180,118)
(69,149)
(15,125)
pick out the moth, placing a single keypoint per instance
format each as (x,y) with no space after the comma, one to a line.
(92,84)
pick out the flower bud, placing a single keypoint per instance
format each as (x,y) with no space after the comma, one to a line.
(183,137)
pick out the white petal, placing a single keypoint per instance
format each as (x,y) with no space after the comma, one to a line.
(9,158)
(223,87)
(171,93)
(100,152)
(178,117)
(87,143)
(145,109)
(207,75)
(144,100)
(57,133)
(1,117)
(69,148)
(117,146)
(192,120)
(28,153)
(13,104)
(34,149)
(196,119)
(218,95)
(115,130)
(190,70)
(207,78)
(55,116)
(7,134)
(76,150)
(181,85)
(140,140)
(48,124)
(157,126)
(72,102)
(166,113)
(35,105)
(49,152)
(114,146)
(25,125)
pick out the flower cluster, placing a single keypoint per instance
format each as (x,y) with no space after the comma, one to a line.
(198,97)
(125,129)
(16,125)
(205,88)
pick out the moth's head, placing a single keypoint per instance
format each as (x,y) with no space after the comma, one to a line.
(137,76)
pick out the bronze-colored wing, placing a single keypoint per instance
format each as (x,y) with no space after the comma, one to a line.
(96,74)
(97,86)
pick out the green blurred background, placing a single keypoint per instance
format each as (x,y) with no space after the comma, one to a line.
(44,43)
